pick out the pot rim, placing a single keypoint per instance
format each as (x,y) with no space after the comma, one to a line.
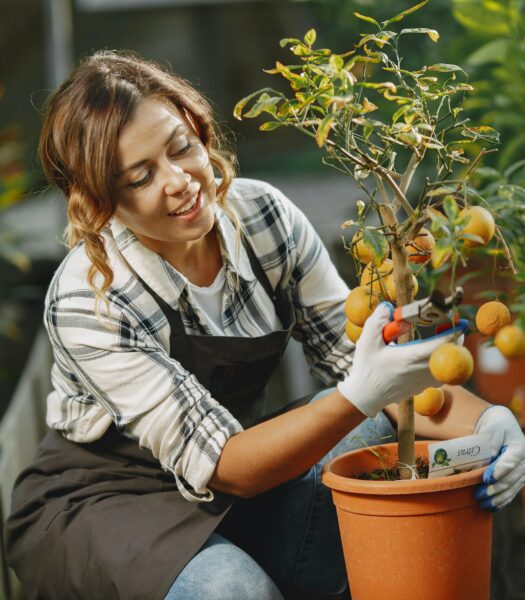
(338,482)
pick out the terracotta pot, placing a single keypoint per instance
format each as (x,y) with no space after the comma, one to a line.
(410,540)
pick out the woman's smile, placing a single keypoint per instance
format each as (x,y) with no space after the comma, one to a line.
(190,209)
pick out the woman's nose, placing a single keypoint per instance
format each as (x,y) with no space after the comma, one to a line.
(176,180)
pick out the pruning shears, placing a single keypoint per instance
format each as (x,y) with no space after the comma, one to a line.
(433,310)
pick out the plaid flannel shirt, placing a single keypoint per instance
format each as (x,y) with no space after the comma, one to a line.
(116,367)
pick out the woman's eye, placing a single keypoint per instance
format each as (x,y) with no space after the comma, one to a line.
(181,151)
(140,182)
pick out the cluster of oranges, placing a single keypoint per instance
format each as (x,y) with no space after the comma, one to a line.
(493,319)
(450,363)
(377,281)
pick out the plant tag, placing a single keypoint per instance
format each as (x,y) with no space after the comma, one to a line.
(458,455)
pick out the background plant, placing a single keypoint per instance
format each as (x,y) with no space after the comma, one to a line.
(14,181)
(494,46)
(421,124)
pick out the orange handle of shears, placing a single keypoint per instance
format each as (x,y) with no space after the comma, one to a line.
(396,327)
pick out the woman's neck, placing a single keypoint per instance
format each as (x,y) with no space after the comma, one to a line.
(200,262)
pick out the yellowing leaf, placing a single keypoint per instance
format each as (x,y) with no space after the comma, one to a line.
(347,224)
(368,19)
(368,106)
(310,37)
(432,33)
(323,130)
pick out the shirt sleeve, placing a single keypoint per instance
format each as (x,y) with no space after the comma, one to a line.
(318,295)
(125,369)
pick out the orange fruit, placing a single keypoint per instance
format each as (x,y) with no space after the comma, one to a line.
(360,304)
(352,331)
(481,223)
(491,317)
(451,363)
(429,402)
(421,247)
(360,248)
(377,276)
(510,341)
(390,285)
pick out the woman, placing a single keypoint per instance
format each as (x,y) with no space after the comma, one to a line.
(166,472)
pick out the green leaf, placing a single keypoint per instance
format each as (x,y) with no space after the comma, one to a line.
(432,33)
(300,50)
(442,250)
(310,37)
(336,63)
(472,237)
(384,85)
(296,81)
(410,138)
(403,14)
(270,125)
(494,51)
(439,191)
(377,243)
(323,130)
(368,19)
(237,111)
(285,41)
(264,104)
(484,132)
(444,68)
(399,113)
(450,207)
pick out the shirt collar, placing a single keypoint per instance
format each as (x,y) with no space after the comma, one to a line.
(149,266)
(235,259)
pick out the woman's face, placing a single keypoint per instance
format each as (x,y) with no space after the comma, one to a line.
(166,185)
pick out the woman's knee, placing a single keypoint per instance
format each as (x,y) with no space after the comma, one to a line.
(222,571)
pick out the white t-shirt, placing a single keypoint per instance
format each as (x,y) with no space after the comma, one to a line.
(209,301)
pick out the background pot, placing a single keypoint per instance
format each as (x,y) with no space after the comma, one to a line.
(411,540)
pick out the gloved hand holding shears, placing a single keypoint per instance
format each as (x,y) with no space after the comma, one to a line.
(384,373)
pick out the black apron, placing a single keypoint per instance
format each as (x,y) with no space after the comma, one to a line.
(103,520)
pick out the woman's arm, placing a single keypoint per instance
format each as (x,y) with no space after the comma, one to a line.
(282,448)
(457,418)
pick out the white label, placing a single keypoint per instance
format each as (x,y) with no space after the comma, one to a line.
(458,455)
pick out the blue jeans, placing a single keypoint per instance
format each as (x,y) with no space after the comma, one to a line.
(279,543)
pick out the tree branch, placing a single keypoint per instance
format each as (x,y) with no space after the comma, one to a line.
(406,178)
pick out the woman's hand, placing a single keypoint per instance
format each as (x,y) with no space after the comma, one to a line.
(383,374)
(505,475)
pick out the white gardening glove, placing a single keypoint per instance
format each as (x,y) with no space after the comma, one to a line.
(505,475)
(382,374)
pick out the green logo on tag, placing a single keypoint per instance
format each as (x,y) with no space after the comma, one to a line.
(441,458)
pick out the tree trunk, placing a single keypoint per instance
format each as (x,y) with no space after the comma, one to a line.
(405,423)
(405,294)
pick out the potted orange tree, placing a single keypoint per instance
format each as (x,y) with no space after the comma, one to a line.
(379,122)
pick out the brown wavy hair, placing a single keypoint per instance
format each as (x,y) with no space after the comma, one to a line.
(83,119)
